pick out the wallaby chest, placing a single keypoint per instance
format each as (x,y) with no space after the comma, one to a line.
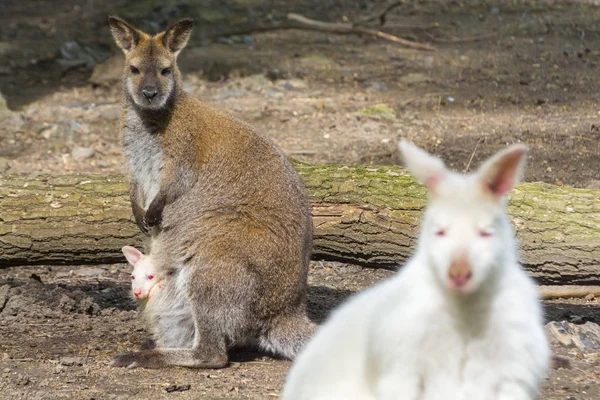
(142,149)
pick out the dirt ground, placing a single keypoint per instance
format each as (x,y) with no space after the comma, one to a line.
(504,71)
(58,327)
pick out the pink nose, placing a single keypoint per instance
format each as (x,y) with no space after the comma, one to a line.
(137,292)
(460,272)
(460,280)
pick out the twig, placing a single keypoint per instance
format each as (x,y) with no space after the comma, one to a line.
(301,22)
(336,27)
(472,155)
(286,26)
(552,292)
(349,28)
(396,39)
(302,152)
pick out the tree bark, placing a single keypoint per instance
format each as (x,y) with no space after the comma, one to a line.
(367,216)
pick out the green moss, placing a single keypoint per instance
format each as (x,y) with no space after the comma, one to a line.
(557,226)
(383,111)
(318,60)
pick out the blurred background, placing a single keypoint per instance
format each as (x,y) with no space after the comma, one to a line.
(501,72)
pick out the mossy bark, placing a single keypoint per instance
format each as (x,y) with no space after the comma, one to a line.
(361,215)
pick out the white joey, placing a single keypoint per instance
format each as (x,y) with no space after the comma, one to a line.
(145,281)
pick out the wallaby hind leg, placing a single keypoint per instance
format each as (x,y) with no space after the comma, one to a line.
(158,358)
(209,351)
(208,348)
(288,335)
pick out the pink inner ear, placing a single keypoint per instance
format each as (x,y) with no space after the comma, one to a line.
(132,254)
(499,188)
(501,173)
(433,182)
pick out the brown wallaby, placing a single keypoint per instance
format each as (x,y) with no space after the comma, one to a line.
(232,229)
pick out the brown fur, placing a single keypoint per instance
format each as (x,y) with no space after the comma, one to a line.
(234,231)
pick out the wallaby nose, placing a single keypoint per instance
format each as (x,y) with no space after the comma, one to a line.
(460,272)
(137,292)
(149,92)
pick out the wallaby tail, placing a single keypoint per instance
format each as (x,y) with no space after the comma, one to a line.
(288,335)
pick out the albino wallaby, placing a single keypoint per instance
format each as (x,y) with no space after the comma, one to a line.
(145,279)
(234,229)
(461,321)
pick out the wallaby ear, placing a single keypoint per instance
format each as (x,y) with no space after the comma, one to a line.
(177,35)
(126,36)
(132,254)
(503,170)
(426,168)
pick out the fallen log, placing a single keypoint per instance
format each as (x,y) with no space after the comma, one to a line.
(366,216)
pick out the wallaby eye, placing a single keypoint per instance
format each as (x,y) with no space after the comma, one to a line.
(440,232)
(134,70)
(484,233)
(166,71)
(132,277)
(150,277)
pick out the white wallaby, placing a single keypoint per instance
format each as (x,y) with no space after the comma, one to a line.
(145,280)
(461,321)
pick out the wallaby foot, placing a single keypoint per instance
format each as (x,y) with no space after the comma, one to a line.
(208,351)
(143,358)
(288,335)
(158,358)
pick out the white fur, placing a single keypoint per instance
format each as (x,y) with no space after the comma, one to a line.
(170,313)
(144,155)
(145,281)
(416,336)
(163,303)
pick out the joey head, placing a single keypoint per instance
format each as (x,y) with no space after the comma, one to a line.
(145,280)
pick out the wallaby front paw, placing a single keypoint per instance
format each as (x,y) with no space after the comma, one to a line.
(138,213)
(153,217)
(144,226)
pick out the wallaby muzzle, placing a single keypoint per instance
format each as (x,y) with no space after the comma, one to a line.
(460,272)
(149,92)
